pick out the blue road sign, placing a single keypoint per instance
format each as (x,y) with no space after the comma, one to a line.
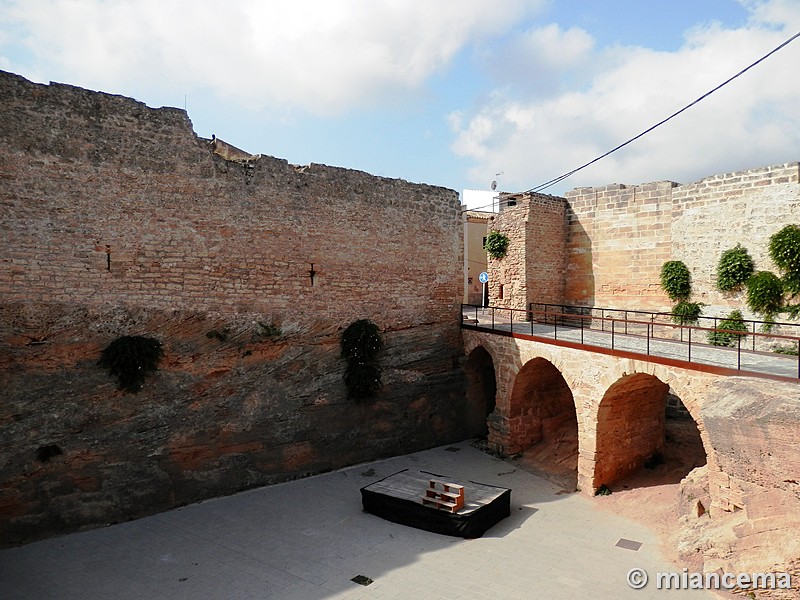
(483,277)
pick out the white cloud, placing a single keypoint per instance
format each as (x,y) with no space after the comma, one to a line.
(553,47)
(535,61)
(781,13)
(324,56)
(751,122)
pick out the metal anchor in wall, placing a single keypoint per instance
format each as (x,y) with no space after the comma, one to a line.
(312,273)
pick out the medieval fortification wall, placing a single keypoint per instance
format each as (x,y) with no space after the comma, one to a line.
(605,246)
(117,219)
(620,236)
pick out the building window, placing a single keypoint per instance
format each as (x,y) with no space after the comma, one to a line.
(500,293)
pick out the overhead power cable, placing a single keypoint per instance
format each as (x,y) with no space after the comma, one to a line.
(560,178)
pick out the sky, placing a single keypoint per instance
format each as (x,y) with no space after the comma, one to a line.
(455,93)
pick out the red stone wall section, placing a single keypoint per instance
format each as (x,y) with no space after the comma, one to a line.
(540,406)
(630,426)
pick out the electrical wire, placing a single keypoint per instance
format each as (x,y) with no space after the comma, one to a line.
(561,178)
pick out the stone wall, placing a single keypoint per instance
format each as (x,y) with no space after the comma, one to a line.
(716,213)
(534,268)
(620,236)
(107,200)
(117,219)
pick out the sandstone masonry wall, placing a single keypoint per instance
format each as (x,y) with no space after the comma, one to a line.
(107,200)
(117,219)
(714,214)
(619,236)
(534,268)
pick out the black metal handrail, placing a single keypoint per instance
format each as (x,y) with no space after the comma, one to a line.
(503,319)
(751,324)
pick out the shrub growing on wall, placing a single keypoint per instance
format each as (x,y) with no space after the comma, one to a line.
(732,325)
(361,344)
(765,294)
(784,250)
(734,268)
(686,313)
(131,358)
(676,280)
(496,244)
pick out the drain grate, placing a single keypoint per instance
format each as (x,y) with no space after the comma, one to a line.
(628,544)
(361,580)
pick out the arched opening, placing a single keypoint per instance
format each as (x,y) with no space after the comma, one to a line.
(481,392)
(543,422)
(645,435)
(630,427)
(647,453)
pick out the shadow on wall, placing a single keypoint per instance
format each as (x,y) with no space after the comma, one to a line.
(579,274)
(481,392)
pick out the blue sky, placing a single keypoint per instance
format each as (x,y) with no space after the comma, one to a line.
(447,92)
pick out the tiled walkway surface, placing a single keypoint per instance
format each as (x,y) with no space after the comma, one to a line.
(307,539)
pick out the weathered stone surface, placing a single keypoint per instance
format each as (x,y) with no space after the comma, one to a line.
(754,424)
(117,219)
(219,416)
(621,235)
(108,201)
(534,268)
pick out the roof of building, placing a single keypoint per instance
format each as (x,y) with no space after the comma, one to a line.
(480,215)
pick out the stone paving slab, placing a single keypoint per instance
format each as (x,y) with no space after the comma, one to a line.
(306,540)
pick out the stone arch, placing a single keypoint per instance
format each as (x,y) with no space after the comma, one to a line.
(481,391)
(542,419)
(630,426)
(637,416)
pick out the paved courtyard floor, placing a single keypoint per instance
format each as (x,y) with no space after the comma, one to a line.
(308,539)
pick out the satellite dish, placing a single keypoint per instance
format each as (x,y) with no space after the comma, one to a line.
(494,185)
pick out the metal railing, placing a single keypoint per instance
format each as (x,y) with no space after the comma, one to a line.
(778,328)
(650,334)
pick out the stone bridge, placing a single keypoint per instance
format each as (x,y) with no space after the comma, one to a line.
(616,413)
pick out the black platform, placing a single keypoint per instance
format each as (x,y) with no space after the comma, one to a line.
(398,498)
